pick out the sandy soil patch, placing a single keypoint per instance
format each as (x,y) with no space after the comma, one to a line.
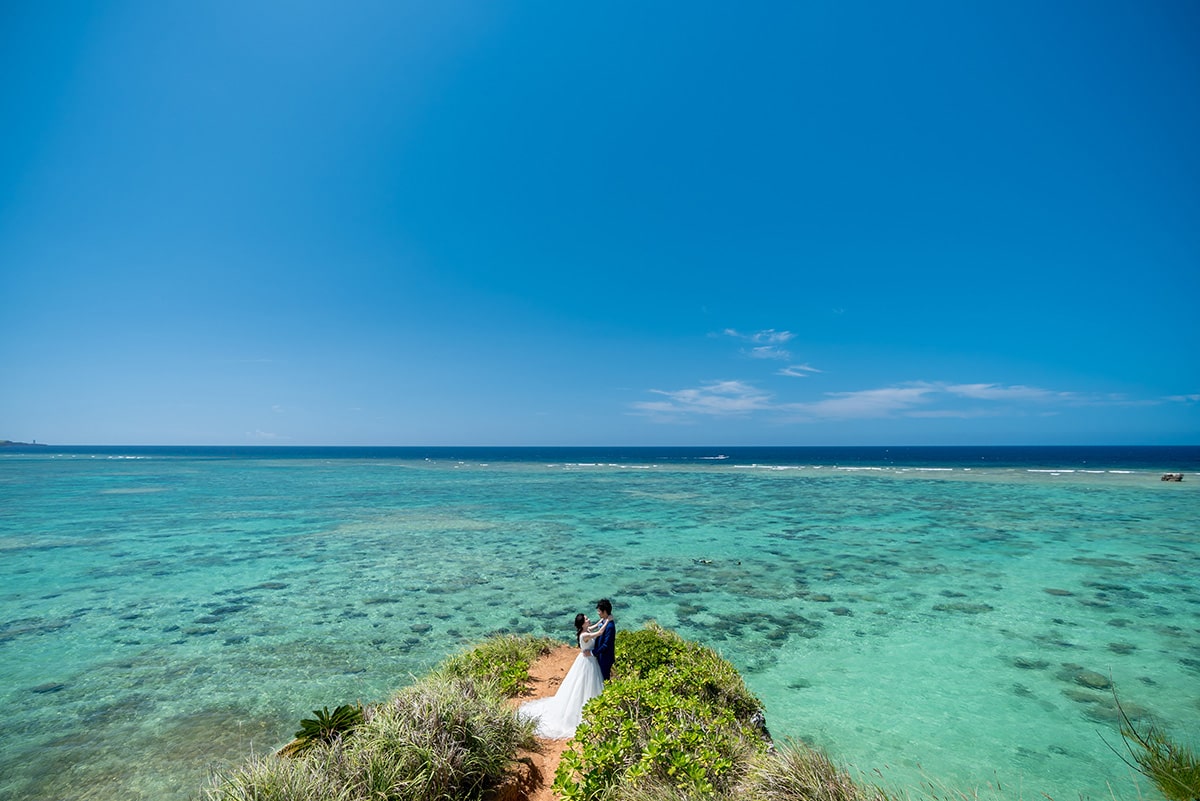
(538,774)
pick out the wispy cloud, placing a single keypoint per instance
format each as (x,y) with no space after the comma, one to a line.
(719,398)
(916,399)
(797,371)
(999,392)
(768,352)
(766,344)
(867,403)
(767,336)
(1184,398)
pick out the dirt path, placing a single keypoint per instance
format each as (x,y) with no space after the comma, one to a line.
(547,673)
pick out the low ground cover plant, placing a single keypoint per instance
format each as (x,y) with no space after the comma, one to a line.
(504,658)
(675,716)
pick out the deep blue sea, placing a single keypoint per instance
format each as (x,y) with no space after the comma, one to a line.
(926,615)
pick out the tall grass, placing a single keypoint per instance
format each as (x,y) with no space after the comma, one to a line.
(275,778)
(1172,766)
(795,772)
(441,738)
(450,735)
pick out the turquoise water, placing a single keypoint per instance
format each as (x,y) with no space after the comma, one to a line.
(168,613)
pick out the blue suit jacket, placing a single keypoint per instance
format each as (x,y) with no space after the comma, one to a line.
(604,647)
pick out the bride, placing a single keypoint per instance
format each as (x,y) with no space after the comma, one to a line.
(558,715)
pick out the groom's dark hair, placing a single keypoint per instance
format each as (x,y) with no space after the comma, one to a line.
(604,605)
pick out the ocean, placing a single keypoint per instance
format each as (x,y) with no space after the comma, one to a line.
(962,617)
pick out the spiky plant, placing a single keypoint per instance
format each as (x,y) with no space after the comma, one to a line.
(1174,768)
(438,739)
(326,726)
(795,772)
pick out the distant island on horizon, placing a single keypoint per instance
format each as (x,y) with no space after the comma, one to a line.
(8,443)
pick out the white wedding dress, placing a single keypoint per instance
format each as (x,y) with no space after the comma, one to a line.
(558,715)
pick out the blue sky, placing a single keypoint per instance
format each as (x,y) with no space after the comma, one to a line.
(504,223)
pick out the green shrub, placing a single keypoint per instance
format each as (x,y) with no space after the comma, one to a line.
(647,649)
(504,659)
(650,790)
(685,666)
(676,719)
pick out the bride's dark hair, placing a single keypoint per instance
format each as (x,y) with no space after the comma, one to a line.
(580,619)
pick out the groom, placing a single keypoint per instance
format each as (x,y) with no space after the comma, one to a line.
(606,640)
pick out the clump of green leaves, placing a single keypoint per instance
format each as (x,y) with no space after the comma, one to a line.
(504,659)
(325,727)
(677,718)
(655,652)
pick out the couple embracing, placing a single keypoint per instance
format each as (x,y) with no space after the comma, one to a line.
(558,715)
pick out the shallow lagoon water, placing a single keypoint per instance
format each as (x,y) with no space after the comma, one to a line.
(168,612)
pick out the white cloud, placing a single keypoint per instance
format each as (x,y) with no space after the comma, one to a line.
(768,352)
(766,343)
(867,403)
(797,371)
(1184,398)
(768,336)
(917,399)
(998,392)
(718,398)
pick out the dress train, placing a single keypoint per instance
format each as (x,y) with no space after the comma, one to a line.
(558,716)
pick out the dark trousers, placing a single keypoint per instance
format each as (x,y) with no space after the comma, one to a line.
(606,663)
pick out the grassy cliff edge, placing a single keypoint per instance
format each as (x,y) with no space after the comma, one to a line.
(676,722)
